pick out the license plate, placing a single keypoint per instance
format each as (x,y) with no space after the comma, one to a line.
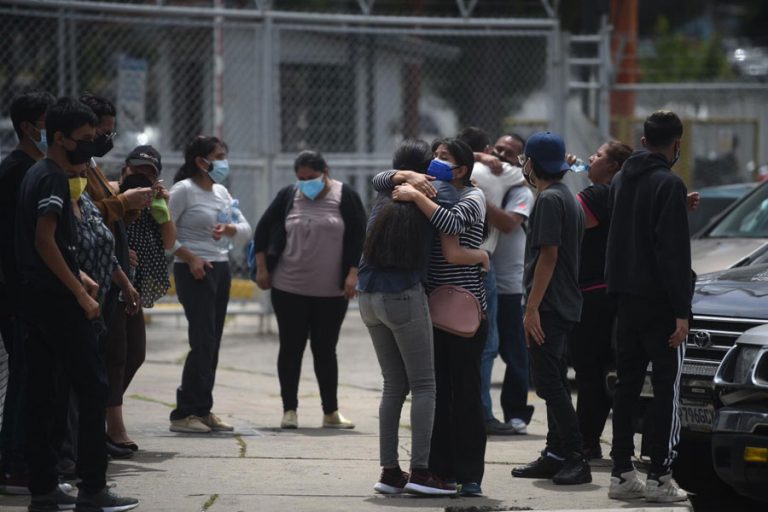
(697,418)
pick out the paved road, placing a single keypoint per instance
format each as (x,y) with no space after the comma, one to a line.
(261,468)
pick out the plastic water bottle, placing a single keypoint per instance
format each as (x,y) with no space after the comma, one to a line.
(580,166)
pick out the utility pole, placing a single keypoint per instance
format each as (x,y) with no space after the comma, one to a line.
(624,18)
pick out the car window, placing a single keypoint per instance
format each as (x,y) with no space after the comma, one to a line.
(749,219)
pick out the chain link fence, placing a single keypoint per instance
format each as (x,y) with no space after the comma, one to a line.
(272,84)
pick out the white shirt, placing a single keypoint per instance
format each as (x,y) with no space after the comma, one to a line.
(509,258)
(196,212)
(494,187)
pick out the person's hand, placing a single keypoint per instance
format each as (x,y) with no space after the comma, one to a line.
(138,198)
(91,286)
(263,279)
(405,192)
(421,182)
(486,262)
(89,305)
(198,266)
(491,161)
(532,327)
(350,287)
(222,230)
(694,198)
(680,334)
(132,299)
(570,158)
(160,190)
(133,258)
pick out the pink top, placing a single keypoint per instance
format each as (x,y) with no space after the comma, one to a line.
(311,262)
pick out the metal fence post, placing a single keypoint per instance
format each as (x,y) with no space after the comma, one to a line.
(556,76)
(604,77)
(61,47)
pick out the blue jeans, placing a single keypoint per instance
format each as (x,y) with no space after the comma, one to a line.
(514,353)
(491,347)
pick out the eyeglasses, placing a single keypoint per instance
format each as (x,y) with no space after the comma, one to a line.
(522,160)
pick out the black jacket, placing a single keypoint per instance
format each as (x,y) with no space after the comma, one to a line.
(270,235)
(649,249)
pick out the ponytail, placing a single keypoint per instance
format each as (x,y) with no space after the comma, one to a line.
(200,146)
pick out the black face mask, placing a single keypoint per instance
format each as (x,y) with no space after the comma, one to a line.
(135,181)
(102,145)
(84,151)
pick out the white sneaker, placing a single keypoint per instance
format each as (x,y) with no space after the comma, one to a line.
(519,425)
(626,487)
(336,420)
(664,490)
(290,420)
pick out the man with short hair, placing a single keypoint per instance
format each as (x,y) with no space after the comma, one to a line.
(495,187)
(553,306)
(28,118)
(648,270)
(58,304)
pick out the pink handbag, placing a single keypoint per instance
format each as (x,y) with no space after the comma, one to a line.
(455,310)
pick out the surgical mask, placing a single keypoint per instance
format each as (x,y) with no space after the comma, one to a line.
(42,144)
(311,188)
(219,171)
(82,153)
(677,156)
(135,181)
(441,170)
(77,187)
(102,145)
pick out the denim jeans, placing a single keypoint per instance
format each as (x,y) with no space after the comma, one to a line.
(401,331)
(514,353)
(491,347)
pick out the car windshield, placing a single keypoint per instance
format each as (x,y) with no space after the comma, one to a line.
(748,220)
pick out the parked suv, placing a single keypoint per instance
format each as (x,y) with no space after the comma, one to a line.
(740,428)
(726,304)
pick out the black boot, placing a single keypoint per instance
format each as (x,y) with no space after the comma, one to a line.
(575,471)
(543,467)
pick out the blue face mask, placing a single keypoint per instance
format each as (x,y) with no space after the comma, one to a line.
(219,171)
(441,170)
(311,188)
(42,144)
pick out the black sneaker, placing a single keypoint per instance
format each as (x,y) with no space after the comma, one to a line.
(54,500)
(543,467)
(575,471)
(104,501)
(422,481)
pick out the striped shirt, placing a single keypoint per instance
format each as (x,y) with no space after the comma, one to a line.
(466,219)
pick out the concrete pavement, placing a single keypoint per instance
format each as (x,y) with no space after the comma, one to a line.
(262,468)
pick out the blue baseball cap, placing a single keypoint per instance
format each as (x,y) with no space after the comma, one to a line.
(548,150)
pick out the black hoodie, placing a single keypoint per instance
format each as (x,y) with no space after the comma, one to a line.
(649,250)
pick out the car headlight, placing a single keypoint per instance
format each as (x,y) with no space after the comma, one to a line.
(737,365)
(761,369)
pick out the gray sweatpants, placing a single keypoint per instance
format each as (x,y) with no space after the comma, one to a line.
(401,331)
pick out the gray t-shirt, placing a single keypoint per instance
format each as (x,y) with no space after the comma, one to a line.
(509,256)
(557,219)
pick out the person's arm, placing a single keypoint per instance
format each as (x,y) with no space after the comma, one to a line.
(493,163)
(133,300)
(350,284)
(673,253)
(542,276)
(455,254)
(504,221)
(49,252)
(263,279)
(386,181)
(456,220)
(168,234)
